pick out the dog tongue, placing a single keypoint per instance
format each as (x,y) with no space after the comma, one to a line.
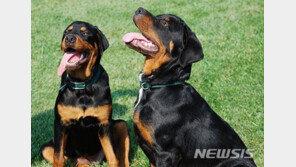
(65,58)
(133,35)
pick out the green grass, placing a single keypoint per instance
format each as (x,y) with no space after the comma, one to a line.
(230,77)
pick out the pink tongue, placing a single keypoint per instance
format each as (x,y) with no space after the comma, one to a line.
(133,35)
(65,58)
(74,58)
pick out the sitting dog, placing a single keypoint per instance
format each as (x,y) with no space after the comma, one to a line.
(173,124)
(84,131)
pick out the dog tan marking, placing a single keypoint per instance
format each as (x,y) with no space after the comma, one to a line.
(81,162)
(83,165)
(83,28)
(92,60)
(153,63)
(84,71)
(48,153)
(70,28)
(120,134)
(151,165)
(154,60)
(167,19)
(87,160)
(63,45)
(68,113)
(58,158)
(108,150)
(171,46)
(144,129)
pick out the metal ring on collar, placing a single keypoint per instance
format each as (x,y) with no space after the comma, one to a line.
(145,85)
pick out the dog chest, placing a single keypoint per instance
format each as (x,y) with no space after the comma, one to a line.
(70,113)
(144,128)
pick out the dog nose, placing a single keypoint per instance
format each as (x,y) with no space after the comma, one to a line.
(140,10)
(70,39)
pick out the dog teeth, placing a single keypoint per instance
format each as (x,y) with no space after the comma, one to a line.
(147,44)
(81,57)
(73,63)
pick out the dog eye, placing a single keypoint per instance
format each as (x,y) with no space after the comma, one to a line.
(84,33)
(164,23)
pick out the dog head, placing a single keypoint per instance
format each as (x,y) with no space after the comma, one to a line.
(164,39)
(82,45)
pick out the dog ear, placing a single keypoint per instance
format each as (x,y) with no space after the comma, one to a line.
(192,51)
(103,39)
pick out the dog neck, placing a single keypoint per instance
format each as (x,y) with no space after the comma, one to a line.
(166,75)
(80,74)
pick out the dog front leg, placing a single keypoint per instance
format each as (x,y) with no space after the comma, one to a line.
(122,142)
(60,139)
(106,142)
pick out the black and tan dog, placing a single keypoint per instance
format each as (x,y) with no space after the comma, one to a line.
(173,124)
(84,131)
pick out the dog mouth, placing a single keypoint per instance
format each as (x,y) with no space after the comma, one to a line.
(72,59)
(140,42)
(75,58)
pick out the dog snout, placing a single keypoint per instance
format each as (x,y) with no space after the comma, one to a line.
(141,11)
(70,39)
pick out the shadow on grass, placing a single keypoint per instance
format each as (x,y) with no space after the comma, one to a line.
(124,92)
(42,130)
(119,110)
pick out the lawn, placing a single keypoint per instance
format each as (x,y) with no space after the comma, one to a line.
(230,77)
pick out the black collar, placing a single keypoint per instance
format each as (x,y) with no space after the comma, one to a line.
(147,85)
(82,85)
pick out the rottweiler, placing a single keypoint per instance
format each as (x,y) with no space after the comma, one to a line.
(173,124)
(84,131)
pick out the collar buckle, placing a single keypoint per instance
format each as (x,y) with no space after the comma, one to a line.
(145,85)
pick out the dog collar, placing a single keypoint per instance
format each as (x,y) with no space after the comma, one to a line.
(81,85)
(145,86)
